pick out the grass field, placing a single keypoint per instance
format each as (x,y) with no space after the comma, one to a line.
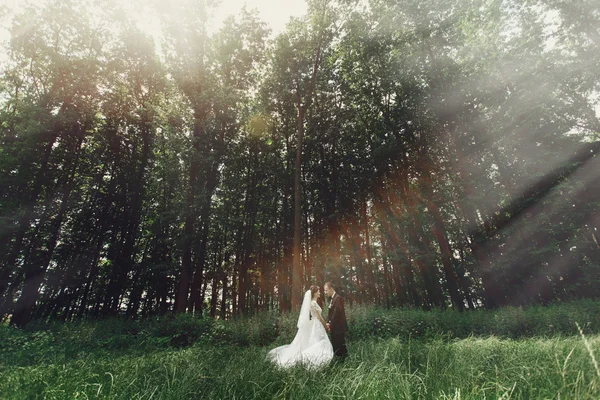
(472,368)
(48,364)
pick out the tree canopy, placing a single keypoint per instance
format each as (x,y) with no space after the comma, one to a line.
(428,154)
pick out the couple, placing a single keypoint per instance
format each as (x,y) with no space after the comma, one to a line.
(311,346)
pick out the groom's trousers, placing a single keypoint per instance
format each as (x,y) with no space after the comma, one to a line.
(338,341)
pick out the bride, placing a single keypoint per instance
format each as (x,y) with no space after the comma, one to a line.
(311,346)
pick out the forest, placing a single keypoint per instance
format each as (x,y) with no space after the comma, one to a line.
(419,154)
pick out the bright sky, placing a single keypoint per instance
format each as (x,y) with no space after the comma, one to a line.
(276,13)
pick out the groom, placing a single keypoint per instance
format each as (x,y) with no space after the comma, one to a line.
(336,321)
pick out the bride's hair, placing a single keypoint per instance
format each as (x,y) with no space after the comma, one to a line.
(313,289)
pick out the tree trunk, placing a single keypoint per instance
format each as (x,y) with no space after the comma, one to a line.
(439,232)
(212,180)
(35,273)
(420,242)
(224,280)
(125,257)
(307,255)
(373,295)
(214,297)
(297,268)
(386,284)
(36,270)
(181,301)
(26,217)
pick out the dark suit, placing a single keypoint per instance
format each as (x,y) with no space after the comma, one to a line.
(338,325)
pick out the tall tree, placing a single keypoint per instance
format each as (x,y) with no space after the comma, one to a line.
(298,55)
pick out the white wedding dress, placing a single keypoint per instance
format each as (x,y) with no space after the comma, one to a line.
(311,346)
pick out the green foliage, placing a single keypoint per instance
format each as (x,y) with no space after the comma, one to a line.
(507,322)
(181,329)
(459,137)
(71,340)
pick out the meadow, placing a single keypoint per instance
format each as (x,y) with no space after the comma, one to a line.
(511,353)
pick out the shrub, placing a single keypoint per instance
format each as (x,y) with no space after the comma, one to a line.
(182,329)
(508,322)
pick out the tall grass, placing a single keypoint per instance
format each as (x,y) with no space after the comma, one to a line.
(513,353)
(471,368)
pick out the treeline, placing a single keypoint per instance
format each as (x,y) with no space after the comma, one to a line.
(419,153)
